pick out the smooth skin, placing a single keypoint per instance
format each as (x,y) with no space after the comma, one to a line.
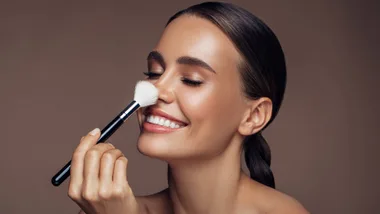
(204,157)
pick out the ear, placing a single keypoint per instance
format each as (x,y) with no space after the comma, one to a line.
(256,116)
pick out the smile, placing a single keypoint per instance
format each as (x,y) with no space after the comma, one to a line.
(158,121)
(162,121)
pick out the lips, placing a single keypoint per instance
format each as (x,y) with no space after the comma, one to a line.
(158,113)
(162,121)
(158,121)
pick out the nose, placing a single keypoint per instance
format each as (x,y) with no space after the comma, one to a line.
(165,91)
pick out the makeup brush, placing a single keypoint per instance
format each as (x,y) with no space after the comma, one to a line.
(146,94)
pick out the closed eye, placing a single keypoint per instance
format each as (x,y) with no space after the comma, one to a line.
(190,82)
(193,83)
(152,75)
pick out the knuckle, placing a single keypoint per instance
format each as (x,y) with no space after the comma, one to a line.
(89,195)
(92,154)
(111,155)
(108,156)
(110,145)
(123,160)
(77,155)
(105,194)
(104,146)
(118,192)
(74,194)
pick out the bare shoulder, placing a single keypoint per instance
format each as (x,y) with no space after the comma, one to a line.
(286,204)
(262,199)
(157,203)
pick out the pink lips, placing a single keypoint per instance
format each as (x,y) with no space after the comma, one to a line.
(157,128)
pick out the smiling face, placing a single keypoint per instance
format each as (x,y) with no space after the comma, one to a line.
(201,102)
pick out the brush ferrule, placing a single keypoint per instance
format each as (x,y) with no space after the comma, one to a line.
(129,110)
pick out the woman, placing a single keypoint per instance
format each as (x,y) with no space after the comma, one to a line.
(221,77)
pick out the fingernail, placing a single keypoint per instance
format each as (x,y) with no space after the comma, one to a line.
(95,132)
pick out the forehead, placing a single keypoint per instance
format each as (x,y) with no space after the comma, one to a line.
(197,37)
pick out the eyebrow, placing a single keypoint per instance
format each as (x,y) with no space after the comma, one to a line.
(157,56)
(183,60)
(188,60)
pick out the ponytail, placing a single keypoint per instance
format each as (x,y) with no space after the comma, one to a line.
(258,159)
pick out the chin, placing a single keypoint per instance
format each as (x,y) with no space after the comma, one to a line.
(163,148)
(154,146)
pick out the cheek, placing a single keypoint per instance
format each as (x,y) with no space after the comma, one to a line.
(197,103)
(208,102)
(211,112)
(212,126)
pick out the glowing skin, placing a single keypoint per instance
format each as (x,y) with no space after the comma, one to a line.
(197,126)
(204,152)
(212,110)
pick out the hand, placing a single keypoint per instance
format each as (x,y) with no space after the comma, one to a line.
(98,182)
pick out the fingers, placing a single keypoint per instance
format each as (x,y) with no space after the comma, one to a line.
(107,166)
(99,176)
(88,141)
(91,169)
(77,163)
(120,172)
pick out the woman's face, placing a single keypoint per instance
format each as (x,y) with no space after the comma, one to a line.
(201,104)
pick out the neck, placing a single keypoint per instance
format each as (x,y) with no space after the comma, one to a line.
(206,186)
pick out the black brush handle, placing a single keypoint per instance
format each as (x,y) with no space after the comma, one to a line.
(107,131)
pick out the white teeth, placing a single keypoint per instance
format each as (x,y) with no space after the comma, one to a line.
(162,121)
(167,123)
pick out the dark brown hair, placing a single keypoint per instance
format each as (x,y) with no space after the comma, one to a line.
(263,70)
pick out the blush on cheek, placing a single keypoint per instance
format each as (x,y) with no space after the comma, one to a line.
(224,109)
(198,105)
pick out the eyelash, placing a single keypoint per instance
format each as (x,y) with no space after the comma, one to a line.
(151,75)
(194,83)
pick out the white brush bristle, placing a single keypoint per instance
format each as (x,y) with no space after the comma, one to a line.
(146,93)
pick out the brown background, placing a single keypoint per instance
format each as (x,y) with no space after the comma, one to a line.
(67,67)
